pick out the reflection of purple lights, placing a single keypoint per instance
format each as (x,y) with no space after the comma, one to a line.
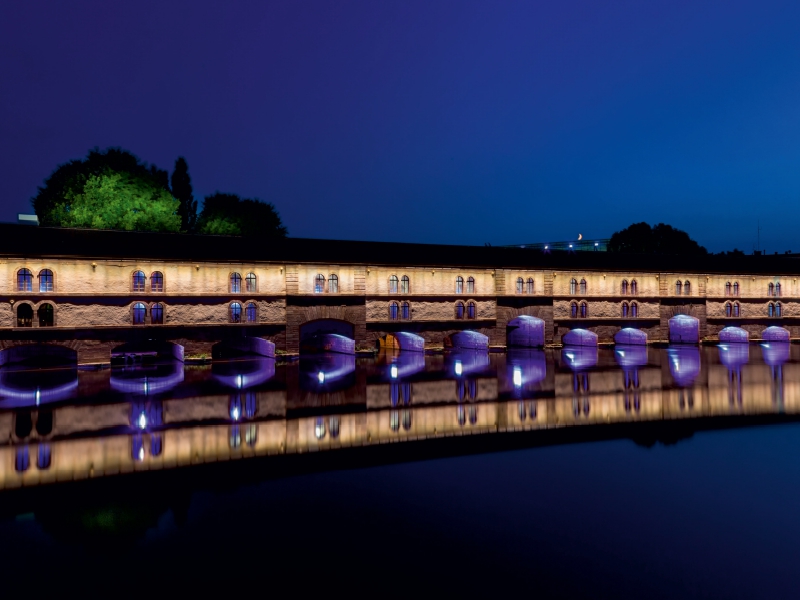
(147,380)
(734,355)
(734,335)
(629,357)
(406,364)
(525,367)
(324,369)
(684,364)
(526,332)
(466,362)
(243,374)
(775,353)
(579,357)
(32,387)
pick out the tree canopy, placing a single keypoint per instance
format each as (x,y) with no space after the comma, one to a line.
(112,189)
(182,190)
(641,238)
(228,214)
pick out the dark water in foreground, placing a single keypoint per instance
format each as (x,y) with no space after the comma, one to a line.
(663,473)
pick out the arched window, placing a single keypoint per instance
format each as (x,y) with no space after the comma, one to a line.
(236,283)
(393,311)
(573,310)
(459,310)
(624,309)
(530,285)
(157,314)
(405,310)
(156,281)
(728,309)
(250,282)
(634,287)
(459,285)
(735,309)
(735,288)
(678,288)
(333,284)
(24,315)
(319,284)
(573,286)
(393,281)
(404,284)
(624,287)
(45,280)
(634,310)
(583,287)
(584,310)
(138,281)
(771,309)
(727,288)
(777,309)
(139,313)
(520,285)
(771,290)
(24,280)
(250,312)
(45,315)
(778,289)
(22,459)
(471,310)
(236,312)
(470,285)
(44,457)
(687,288)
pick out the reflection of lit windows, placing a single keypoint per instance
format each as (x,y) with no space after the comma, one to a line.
(22,459)
(251,434)
(406,420)
(333,426)
(250,405)
(394,420)
(532,410)
(473,414)
(156,444)
(319,428)
(137,448)
(472,386)
(43,457)
(461,415)
(235,437)
(521,411)
(235,410)
(517,376)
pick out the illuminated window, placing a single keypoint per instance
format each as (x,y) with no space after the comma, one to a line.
(634,310)
(404,284)
(624,309)
(471,310)
(459,285)
(624,287)
(157,314)
(771,309)
(777,309)
(687,288)
(735,309)
(236,312)
(250,312)
(583,287)
(156,281)
(139,313)
(45,315)
(573,310)
(333,284)
(678,288)
(735,288)
(459,310)
(727,288)
(24,315)
(236,283)
(520,285)
(778,289)
(393,311)
(393,281)
(250,282)
(24,281)
(45,280)
(584,310)
(394,420)
(405,309)
(470,285)
(634,287)
(771,289)
(138,281)
(530,285)
(728,309)
(319,284)
(573,286)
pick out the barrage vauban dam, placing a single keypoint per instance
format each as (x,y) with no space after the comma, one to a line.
(94,296)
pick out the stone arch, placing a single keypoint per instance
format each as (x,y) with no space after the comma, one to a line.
(401,340)
(146,350)
(327,335)
(352,322)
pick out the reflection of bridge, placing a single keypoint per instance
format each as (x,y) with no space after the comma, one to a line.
(401,404)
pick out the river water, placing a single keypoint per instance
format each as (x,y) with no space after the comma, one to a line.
(577,472)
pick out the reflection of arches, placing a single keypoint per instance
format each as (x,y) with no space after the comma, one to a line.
(253,346)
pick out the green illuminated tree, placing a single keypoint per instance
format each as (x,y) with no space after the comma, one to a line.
(228,214)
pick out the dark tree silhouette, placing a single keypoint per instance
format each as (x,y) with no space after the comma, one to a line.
(228,214)
(182,190)
(640,238)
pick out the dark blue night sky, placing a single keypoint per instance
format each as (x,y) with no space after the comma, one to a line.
(435,121)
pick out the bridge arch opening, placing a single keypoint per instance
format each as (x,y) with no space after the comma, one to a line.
(146,351)
(327,335)
(38,354)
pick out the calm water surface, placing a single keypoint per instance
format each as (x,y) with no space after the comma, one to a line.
(626,472)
